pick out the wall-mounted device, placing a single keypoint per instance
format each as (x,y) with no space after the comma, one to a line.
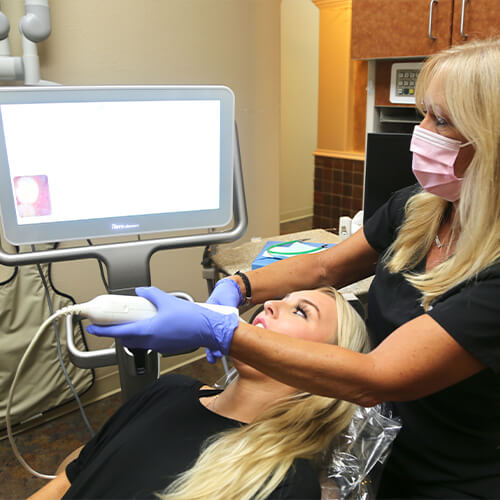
(403,80)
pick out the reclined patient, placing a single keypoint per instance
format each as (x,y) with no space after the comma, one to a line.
(179,439)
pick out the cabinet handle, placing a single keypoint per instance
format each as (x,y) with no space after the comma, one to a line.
(462,19)
(431,11)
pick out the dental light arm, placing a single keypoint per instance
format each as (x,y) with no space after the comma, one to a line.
(35,24)
(4,26)
(34,27)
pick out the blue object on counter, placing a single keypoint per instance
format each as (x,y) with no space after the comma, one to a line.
(287,247)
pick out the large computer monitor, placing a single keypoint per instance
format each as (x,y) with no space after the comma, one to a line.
(87,162)
(387,169)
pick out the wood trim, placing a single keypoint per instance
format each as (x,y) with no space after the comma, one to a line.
(332,3)
(347,155)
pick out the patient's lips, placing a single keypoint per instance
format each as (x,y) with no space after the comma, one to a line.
(259,322)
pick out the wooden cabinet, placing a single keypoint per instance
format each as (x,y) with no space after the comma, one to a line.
(416,28)
(481,19)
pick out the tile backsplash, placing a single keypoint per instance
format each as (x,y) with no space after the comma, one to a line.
(338,190)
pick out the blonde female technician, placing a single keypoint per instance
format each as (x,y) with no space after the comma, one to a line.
(434,305)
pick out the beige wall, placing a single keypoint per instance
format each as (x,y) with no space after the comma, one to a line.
(230,42)
(299,106)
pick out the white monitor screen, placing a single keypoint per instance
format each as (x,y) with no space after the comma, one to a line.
(84,162)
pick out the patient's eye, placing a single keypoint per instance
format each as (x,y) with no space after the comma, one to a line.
(300,311)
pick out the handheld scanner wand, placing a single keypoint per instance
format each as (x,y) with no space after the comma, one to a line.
(115,309)
(111,309)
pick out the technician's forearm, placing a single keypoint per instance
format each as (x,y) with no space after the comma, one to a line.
(417,359)
(313,367)
(345,263)
(278,279)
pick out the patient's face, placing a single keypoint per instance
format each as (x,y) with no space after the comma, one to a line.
(309,315)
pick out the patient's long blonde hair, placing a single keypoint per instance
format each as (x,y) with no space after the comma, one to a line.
(469,76)
(251,461)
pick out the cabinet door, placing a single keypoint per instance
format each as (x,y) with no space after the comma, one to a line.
(476,19)
(399,28)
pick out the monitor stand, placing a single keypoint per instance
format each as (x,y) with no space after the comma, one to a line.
(137,367)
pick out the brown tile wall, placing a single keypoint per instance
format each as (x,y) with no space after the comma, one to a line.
(338,190)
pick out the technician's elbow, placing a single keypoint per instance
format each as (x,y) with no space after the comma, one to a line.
(367,400)
(381,393)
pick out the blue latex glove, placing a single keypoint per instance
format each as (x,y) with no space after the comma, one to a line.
(226,293)
(178,326)
(213,356)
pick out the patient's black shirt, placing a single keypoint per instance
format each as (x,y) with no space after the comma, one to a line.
(449,446)
(156,435)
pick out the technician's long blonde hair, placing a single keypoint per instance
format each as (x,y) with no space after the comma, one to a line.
(469,75)
(250,462)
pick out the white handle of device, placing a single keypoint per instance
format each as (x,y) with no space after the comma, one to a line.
(115,309)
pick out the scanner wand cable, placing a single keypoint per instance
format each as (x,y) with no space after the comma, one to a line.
(62,312)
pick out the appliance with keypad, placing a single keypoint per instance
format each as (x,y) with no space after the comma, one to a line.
(403,81)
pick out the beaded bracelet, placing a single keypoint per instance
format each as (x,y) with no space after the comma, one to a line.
(248,288)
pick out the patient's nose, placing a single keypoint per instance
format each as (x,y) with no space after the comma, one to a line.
(271,308)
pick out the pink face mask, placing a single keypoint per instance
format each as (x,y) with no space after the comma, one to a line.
(433,163)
